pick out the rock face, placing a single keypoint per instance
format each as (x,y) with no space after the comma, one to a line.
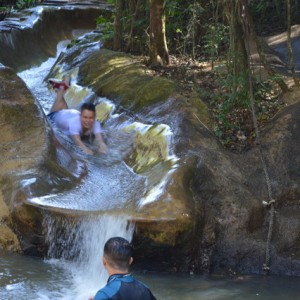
(23,144)
(209,217)
(31,36)
(225,225)
(28,156)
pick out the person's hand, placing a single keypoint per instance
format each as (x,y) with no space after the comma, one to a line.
(88,151)
(102,148)
(91,298)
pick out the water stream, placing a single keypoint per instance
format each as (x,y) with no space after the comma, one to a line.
(73,268)
(111,184)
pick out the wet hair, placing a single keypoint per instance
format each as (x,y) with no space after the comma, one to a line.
(88,106)
(117,251)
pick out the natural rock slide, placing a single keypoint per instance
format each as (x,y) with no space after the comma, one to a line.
(208,207)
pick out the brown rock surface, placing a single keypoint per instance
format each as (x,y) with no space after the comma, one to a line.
(26,155)
(212,204)
(226,225)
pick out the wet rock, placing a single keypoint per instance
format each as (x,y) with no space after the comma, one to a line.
(8,239)
(29,37)
(23,145)
(28,157)
(209,216)
(228,226)
(116,76)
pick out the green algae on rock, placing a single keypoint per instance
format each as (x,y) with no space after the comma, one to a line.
(119,76)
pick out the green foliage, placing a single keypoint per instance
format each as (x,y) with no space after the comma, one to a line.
(232,94)
(189,26)
(105,26)
(183,26)
(4,9)
(270,16)
(216,40)
(22,4)
(134,29)
(231,108)
(4,12)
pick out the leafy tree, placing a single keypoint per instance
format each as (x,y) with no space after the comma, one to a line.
(219,31)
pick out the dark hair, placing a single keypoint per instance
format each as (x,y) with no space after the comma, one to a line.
(117,251)
(88,106)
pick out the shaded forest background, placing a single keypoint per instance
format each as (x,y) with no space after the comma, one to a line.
(205,46)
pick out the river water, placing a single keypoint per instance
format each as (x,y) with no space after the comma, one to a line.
(78,272)
(25,278)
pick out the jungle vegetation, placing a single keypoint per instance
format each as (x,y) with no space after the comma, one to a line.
(205,46)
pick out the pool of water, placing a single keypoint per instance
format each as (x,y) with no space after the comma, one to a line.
(23,277)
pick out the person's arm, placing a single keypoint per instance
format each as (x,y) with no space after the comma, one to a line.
(101,146)
(99,142)
(100,296)
(77,140)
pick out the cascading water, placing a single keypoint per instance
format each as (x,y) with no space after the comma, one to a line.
(111,184)
(76,237)
(77,274)
(80,245)
(75,246)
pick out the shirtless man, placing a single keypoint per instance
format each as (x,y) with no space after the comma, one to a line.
(82,125)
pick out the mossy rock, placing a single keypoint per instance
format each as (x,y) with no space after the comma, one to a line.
(120,77)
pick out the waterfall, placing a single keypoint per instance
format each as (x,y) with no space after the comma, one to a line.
(94,210)
(76,246)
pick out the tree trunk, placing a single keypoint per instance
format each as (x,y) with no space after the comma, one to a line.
(134,8)
(251,34)
(289,44)
(132,15)
(158,52)
(238,55)
(118,28)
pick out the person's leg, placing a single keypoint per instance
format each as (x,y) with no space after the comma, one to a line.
(60,84)
(60,102)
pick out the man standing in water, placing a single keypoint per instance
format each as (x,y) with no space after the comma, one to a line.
(80,126)
(121,284)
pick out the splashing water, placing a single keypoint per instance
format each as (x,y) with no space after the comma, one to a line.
(75,246)
(80,244)
(34,79)
(76,241)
